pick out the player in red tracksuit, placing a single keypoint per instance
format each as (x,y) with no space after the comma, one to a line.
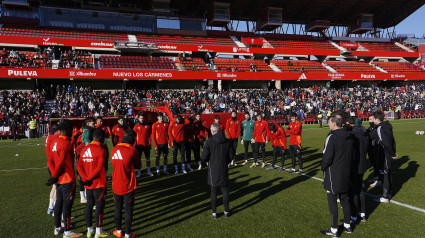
(217,121)
(125,160)
(108,133)
(48,142)
(160,141)
(260,138)
(294,130)
(200,130)
(63,174)
(176,137)
(233,130)
(118,131)
(91,168)
(143,142)
(188,138)
(278,141)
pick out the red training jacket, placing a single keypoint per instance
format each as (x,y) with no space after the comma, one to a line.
(278,138)
(91,165)
(233,129)
(48,143)
(144,133)
(125,159)
(63,162)
(294,130)
(261,131)
(200,129)
(160,134)
(118,134)
(176,131)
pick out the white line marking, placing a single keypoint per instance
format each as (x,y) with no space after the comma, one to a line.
(12,170)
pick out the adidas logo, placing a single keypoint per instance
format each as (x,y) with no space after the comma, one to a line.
(117,155)
(302,76)
(87,154)
(54,147)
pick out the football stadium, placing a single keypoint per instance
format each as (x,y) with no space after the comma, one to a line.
(211,118)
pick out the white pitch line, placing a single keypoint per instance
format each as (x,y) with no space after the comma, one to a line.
(12,170)
(375,196)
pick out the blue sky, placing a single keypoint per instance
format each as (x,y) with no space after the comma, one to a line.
(414,24)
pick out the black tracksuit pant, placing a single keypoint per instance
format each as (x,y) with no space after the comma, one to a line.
(295,152)
(95,197)
(188,150)
(333,208)
(246,144)
(235,146)
(278,150)
(196,147)
(225,192)
(257,146)
(357,195)
(64,200)
(176,147)
(162,148)
(128,201)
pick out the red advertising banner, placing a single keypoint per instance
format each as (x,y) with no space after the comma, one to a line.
(352,45)
(198,75)
(385,54)
(246,50)
(48,41)
(422,53)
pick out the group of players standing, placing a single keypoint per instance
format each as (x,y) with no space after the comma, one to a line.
(88,147)
(344,164)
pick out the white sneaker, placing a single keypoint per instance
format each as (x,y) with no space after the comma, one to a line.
(377,183)
(158,173)
(253,165)
(382,200)
(188,167)
(245,162)
(56,232)
(200,166)
(264,165)
(83,200)
(149,174)
(72,234)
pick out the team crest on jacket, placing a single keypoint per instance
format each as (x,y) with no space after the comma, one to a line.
(158,126)
(146,126)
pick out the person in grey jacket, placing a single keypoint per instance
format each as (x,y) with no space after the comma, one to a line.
(336,165)
(217,152)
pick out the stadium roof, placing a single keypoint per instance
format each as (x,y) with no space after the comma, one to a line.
(387,13)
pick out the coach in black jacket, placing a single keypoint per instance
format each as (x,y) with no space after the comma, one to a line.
(217,152)
(358,168)
(336,164)
(386,152)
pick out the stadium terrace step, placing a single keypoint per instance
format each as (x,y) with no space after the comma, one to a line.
(338,46)
(404,47)
(237,42)
(274,67)
(329,68)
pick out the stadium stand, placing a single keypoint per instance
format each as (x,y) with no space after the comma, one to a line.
(399,67)
(352,66)
(382,47)
(297,41)
(299,66)
(67,33)
(176,39)
(243,65)
(136,62)
(194,64)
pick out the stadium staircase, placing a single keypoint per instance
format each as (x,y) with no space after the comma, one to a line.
(338,46)
(274,67)
(48,107)
(237,42)
(404,47)
(178,64)
(329,68)
(379,68)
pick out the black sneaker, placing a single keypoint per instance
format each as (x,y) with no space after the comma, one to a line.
(348,230)
(329,233)
(300,172)
(214,215)
(226,214)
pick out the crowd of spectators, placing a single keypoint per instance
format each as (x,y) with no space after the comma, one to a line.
(46,58)
(83,101)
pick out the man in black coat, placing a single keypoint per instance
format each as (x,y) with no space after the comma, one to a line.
(358,168)
(336,165)
(217,152)
(386,148)
(372,152)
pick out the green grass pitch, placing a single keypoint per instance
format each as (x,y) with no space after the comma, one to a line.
(263,203)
